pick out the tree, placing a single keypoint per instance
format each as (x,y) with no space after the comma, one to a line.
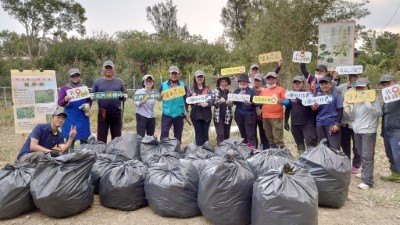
(163,18)
(42,18)
(386,43)
(234,17)
(12,44)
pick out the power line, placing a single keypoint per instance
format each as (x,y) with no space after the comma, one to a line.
(397,9)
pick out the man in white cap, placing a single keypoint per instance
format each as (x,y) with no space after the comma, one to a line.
(46,138)
(173,110)
(110,114)
(391,131)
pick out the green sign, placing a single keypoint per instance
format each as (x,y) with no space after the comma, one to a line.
(151,95)
(108,95)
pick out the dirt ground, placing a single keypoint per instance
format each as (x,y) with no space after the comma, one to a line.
(379,205)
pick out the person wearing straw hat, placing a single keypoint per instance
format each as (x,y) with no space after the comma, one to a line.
(366,120)
(391,131)
(78,111)
(145,118)
(245,112)
(200,113)
(47,138)
(222,109)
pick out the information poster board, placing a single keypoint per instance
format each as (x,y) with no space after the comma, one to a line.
(360,96)
(78,93)
(173,93)
(233,70)
(301,57)
(270,57)
(336,44)
(391,94)
(34,96)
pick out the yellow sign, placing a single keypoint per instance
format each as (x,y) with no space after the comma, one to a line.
(269,100)
(233,70)
(360,96)
(270,57)
(173,93)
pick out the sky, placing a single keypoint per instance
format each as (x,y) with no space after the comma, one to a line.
(202,17)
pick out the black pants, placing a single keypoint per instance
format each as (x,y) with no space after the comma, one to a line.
(145,125)
(305,133)
(263,137)
(223,131)
(167,122)
(201,128)
(247,128)
(345,143)
(333,140)
(107,119)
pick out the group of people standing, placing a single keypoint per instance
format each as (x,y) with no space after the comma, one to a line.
(337,121)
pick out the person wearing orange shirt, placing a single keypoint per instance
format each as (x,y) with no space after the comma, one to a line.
(272,114)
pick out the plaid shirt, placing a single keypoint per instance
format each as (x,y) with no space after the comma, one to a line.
(228,113)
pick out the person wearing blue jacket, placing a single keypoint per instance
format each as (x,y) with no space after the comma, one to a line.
(245,112)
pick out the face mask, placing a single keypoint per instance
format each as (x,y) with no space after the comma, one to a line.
(318,76)
(242,86)
(271,86)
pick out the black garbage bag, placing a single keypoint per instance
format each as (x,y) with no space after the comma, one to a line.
(225,189)
(102,165)
(285,196)
(264,160)
(122,187)
(61,186)
(126,147)
(94,145)
(15,197)
(168,158)
(241,150)
(332,173)
(150,146)
(199,152)
(173,192)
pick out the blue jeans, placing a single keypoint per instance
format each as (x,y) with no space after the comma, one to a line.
(392,149)
(201,131)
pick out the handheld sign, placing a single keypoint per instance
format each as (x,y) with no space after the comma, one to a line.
(360,96)
(108,95)
(269,100)
(298,94)
(173,93)
(233,70)
(78,93)
(301,57)
(151,95)
(197,99)
(238,97)
(320,100)
(270,57)
(358,69)
(391,94)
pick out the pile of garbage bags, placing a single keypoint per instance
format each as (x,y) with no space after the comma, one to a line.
(231,184)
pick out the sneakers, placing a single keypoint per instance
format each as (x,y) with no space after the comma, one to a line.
(358,175)
(363,186)
(354,170)
(394,177)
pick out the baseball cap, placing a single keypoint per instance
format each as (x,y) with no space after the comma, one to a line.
(362,82)
(147,76)
(386,78)
(258,77)
(254,66)
(324,79)
(270,74)
(173,69)
(73,71)
(322,67)
(108,63)
(199,73)
(298,78)
(59,113)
